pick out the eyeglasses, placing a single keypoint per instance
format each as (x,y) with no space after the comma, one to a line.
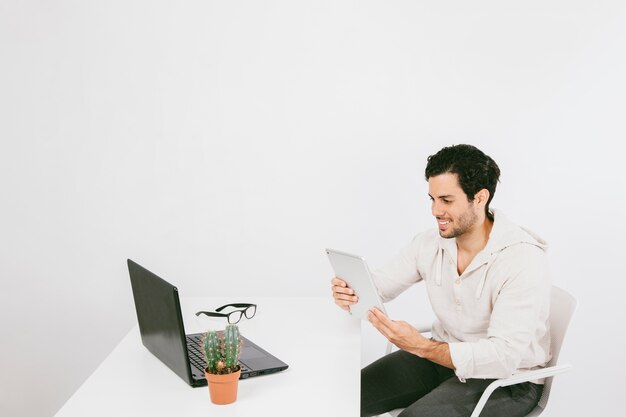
(249,310)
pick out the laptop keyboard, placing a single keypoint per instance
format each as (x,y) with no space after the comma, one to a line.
(196,354)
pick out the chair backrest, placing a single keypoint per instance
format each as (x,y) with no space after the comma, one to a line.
(562,307)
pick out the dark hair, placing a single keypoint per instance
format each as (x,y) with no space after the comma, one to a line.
(474,169)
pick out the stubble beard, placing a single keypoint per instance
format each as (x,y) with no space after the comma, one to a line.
(464,223)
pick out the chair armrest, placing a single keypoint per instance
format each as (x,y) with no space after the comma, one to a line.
(422,329)
(524,376)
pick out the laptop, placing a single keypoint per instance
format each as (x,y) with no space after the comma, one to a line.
(163,333)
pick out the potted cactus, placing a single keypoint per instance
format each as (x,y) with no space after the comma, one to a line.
(222,355)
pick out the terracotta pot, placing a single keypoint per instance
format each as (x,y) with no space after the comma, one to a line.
(223,388)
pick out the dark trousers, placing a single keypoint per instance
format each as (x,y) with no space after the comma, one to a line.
(425,389)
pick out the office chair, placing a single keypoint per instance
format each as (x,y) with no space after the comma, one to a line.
(562,306)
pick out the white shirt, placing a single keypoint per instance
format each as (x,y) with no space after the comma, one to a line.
(494,316)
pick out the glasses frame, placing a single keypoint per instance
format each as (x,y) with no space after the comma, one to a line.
(241,308)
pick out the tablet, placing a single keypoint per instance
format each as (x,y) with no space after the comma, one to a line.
(353,269)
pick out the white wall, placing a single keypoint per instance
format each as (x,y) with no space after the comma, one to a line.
(224,144)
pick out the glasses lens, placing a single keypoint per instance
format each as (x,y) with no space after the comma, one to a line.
(250,312)
(234,317)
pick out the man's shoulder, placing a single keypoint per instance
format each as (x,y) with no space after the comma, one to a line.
(522,251)
(506,235)
(523,263)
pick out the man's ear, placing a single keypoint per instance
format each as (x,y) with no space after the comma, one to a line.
(482,197)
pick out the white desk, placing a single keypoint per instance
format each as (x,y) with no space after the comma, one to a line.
(319,342)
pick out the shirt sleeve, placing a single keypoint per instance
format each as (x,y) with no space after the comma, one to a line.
(519,314)
(399,273)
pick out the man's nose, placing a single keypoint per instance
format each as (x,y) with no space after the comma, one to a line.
(436,209)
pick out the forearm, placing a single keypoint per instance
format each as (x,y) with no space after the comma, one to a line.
(437,352)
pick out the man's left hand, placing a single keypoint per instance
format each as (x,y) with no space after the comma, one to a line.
(400,333)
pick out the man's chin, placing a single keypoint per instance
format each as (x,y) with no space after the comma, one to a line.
(446,235)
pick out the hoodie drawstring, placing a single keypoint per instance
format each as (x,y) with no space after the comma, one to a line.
(438,262)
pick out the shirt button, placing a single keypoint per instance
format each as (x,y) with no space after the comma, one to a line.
(458,302)
(458,281)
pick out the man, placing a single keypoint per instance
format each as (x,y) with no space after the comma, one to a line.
(489,288)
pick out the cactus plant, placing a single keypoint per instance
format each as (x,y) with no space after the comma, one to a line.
(232,345)
(222,350)
(212,349)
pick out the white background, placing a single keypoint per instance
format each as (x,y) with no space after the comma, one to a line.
(224,144)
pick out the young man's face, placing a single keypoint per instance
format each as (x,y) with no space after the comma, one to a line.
(455,215)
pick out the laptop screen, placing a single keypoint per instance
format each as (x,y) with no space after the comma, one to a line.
(160,320)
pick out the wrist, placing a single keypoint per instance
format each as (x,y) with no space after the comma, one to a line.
(438,352)
(431,348)
(427,347)
(421,346)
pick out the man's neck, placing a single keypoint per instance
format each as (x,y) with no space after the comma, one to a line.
(475,239)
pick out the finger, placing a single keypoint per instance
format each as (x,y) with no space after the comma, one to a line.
(377,324)
(346,294)
(338,282)
(343,290)
(382,320)
(348,299)
(379,314)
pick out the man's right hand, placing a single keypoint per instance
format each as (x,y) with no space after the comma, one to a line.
(344,295)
